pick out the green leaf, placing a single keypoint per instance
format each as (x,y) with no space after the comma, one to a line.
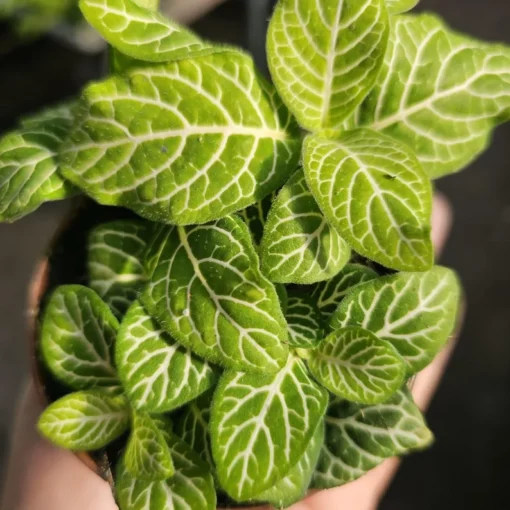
(328,295)
(439,92)
(86,420)
(293,487)
(183,143)
(141,32)
(157,373)
(221,306)
(416,312)
(359,438)
(283,296)
(115,262)
(192,426)
(373,190)
(298,245)
(354,364)
(77,337)
(261,425)
(325,55)
(28,163)
(305,323)
(147,456)
(400,6)
(190,488)
(255,217)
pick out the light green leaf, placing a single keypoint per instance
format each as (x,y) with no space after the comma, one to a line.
(293,487)
(141,32)
(221,306)
(28,163)
(400,6)
(416,312)
(373,190)
(324,56)
(147,456)
(255,217)
(359,438)
(183,143)
(190,488)
(86,420)
(439,92)
(305,323)
(115,262)
(261,425)
(77,337)
(328,295)
(192,426)
(354,364)
(298,245)
(157,373)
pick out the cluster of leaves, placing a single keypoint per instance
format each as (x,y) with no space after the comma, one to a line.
(236,328)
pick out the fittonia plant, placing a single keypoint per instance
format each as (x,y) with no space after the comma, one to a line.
(250,357)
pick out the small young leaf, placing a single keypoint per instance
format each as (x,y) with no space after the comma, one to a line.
(28,163)
(86,420)
(400,6)
(221,305)
(115,262)
(183,143)
(359,438)
(77,337)
(261,425)
(416,312)
(157,373)
(305,324)
(298,245)
(374,191)
(328,295)
(140,32)
(293,487)
(354,364)
(255,217)
(439,92)
(190,488)
(147,456)
(324,56)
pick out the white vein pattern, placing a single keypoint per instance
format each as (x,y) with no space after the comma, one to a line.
(375,193)
(304,320)
(139,32)
(77,337)
(439,92)
(190,488)
(115,262)
(261,426)
(356,365)
(171,144)
(329,294)
(360,437)
(85,420)
(400,6)
(324,56)
(157,373)
(255,216)
(298,245)
(416,312)
(208,292)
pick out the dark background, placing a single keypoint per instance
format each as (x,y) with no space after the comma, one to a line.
(468,466)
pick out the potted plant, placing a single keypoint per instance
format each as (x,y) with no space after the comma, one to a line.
(237,306)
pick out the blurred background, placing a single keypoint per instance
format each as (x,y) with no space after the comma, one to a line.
(468,467)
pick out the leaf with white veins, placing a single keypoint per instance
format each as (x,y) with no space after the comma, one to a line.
(324,56)
(86,420)
(156,372)
(304,320)
(298,245)
(416,312)
(182,143)
(208,292)
(375,193)
(255,216)
(261,425)
(77,338)
(360,437)
(400,6)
